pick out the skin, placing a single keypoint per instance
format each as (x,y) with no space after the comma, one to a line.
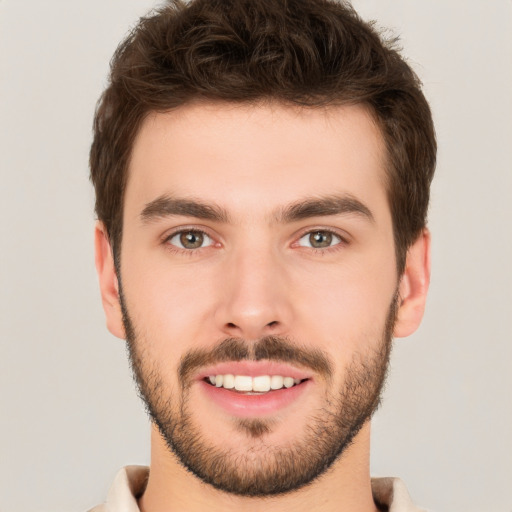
(258,277)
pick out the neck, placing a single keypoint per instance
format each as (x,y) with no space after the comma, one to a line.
(345,486)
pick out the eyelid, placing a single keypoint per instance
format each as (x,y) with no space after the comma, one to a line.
(341,235)
(205,239)
(168,235)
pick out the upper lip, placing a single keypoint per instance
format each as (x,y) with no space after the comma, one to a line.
(254,369)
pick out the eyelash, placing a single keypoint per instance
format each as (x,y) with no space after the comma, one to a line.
(191,252)
(343,241)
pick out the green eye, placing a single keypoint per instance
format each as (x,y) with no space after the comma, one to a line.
(320,239)
(191,239)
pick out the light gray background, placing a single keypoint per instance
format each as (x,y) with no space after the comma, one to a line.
(69,417)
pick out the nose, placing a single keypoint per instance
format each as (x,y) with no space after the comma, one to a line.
(255,297)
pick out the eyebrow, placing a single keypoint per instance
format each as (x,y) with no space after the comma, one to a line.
(323,207)
(166,206)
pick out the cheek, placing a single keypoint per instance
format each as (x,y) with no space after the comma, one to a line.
(345,309)
(170,307)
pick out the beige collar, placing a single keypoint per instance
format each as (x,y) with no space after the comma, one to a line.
(130,482)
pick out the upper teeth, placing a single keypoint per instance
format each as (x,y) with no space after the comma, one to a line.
(262,383)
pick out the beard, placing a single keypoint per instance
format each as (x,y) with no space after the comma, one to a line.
(258,469)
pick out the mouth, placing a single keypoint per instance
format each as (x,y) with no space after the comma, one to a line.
(254,389)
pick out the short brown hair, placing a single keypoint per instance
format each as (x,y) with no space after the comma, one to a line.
(303,52)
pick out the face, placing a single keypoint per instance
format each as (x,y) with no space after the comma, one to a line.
(258,287)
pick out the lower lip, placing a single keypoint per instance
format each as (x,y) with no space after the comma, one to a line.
(246,406)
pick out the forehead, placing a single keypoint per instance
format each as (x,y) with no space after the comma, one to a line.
(250,158)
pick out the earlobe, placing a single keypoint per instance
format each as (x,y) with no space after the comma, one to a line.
(413,286)
(109,286)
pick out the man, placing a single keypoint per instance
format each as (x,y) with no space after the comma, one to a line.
(262,173)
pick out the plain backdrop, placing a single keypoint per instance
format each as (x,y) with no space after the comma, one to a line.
(69,415)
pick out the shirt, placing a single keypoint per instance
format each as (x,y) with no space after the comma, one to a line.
(130,482)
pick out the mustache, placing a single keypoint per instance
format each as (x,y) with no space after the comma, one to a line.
(270,348)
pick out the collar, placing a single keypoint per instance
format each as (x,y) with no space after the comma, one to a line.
(389,493)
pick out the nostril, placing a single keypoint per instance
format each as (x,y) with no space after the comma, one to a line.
(231,325)
(272,324)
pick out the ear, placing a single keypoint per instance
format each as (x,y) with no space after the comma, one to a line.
(413,286)
(109,285)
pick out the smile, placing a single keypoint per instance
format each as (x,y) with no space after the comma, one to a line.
(247,384)
(254,389)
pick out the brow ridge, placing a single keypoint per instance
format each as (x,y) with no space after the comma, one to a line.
(324,206)
(165,206)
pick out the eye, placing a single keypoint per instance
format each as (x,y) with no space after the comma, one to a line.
(190,239)
(320,239)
